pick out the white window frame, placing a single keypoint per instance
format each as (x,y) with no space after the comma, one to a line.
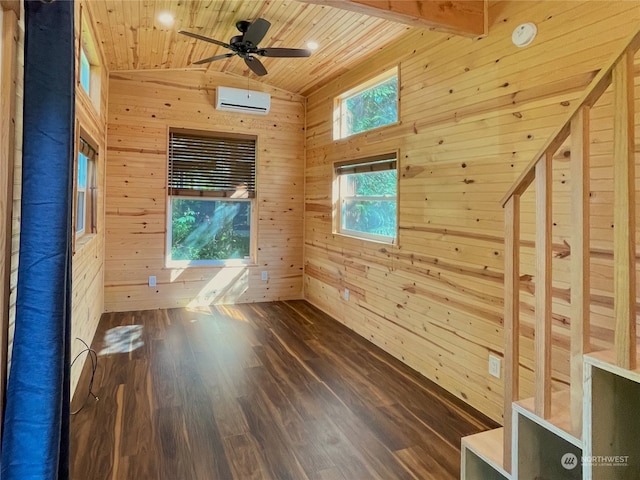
(342,195)
(339,111)
(240,194)
(81,212)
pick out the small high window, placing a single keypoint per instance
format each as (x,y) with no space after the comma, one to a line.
(370,105)
(367,198)
(89,71)
(85,72)
(211,199)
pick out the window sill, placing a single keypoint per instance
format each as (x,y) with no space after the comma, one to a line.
(210,264)
(372,130)
(85,97)
(393,242)
(83,240)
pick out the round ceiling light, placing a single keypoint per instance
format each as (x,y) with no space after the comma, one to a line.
(166,18)
(311,45)
(524,34)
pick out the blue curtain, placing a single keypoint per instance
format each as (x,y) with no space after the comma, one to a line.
(35,443)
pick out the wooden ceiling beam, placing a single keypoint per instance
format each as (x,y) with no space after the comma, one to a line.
(13,5)
(462,17)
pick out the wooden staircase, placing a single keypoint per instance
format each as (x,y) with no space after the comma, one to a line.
(590,430)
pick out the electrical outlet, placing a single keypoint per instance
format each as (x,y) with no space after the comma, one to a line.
(346,294)
(494,366)
(152,280)
(264,276)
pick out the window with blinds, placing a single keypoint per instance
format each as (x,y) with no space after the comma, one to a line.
(211,187)
(213,166)
(86,191)
(367,196)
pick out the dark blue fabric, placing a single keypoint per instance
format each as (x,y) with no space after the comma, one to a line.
(35,439)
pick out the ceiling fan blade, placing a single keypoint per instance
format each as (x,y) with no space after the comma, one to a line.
(256,31)
(214,58)
(206,39)
(284,52)
(256,65)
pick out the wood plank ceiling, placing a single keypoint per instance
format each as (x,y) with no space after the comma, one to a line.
(134,39)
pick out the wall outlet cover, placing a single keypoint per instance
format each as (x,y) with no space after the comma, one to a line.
(494,366)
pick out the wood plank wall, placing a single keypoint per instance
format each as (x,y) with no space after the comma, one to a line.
(88,256)
(16,170)
(142,108)
(473,113)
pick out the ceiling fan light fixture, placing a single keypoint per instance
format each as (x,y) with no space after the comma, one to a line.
(311,45)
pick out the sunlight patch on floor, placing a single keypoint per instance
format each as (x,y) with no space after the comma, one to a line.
(124,339)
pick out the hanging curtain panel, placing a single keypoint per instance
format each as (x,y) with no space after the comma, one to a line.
(35,439)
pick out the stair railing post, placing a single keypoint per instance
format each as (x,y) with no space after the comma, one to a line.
(511,319)
(624,225)
(580,261)
(544,226)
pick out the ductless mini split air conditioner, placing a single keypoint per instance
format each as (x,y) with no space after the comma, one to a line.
(247,101)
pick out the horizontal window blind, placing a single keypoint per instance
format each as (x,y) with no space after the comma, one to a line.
(211,166)
(370,164)
(87,150)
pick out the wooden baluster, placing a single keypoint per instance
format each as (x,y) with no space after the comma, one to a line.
(544,225)
(580,261)
(511,318)
(624,225)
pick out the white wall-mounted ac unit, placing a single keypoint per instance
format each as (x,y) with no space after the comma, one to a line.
(238,100)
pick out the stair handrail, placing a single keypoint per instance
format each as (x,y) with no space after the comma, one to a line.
(591,95)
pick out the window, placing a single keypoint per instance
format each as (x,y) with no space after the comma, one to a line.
(85,71)
(370,105)
(211,189)
(366,193)
(89,72)
(81,193)
(85,213)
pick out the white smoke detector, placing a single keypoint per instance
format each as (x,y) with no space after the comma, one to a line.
(524,34)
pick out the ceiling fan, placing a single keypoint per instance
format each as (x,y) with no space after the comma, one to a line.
(246,47)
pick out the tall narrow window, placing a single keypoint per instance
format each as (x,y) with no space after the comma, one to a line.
(85,71)
(85,213)
(81,194)
(212,183)
(370,105)
(367,196)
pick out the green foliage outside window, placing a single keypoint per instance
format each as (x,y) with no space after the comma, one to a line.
(369,203)
(210,229)
(372,108)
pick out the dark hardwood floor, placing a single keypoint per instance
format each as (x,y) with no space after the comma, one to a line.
(260,391)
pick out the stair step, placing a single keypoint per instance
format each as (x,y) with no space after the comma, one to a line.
(606,360)
(560,420)
(489,447)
